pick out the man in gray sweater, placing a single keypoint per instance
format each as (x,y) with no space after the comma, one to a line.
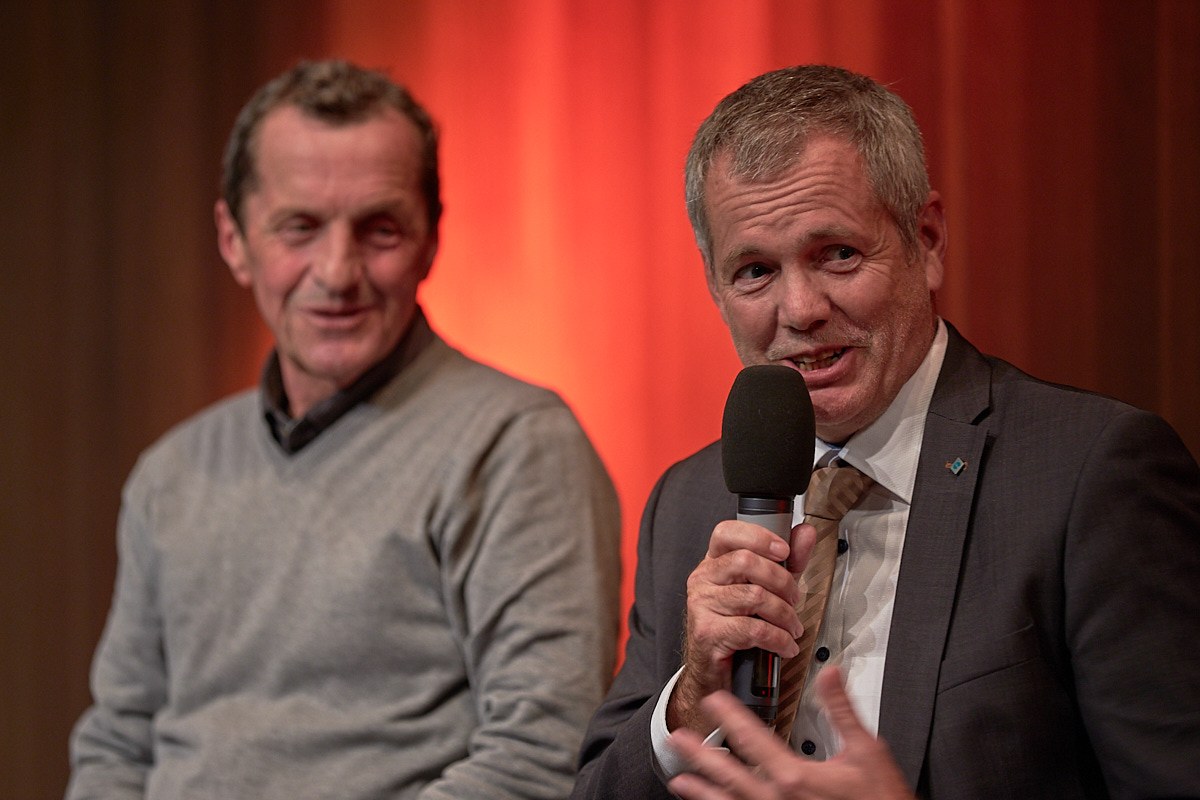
(391,571)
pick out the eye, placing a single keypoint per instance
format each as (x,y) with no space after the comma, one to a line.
(841,258)
(381,231)
(297,229)
(752,273)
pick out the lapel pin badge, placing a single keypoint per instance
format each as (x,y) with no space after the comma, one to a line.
(956,466)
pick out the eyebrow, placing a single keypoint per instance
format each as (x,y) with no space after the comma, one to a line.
(826,233)
(390,206)
(735,258)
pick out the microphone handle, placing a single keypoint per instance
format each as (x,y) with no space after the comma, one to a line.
(755,678)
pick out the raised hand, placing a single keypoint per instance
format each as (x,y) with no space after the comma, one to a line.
(769,770)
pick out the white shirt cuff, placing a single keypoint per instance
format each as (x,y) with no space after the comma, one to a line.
(668,763)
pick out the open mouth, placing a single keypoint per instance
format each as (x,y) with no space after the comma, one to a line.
(810,364)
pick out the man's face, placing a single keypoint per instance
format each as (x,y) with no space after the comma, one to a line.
(809,271)
(334,242)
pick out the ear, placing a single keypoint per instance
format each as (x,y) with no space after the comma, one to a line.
(232,244)
(710,277)
(431,250)
(931,239)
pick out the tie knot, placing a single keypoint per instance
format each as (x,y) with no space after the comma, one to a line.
(832,491)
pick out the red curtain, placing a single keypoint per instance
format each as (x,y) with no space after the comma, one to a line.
(1055,132)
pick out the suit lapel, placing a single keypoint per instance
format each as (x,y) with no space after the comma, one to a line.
(952,452)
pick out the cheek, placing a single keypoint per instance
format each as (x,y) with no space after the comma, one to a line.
(749,318)
(278,298)
(272,292)
(271,305)
(902,329)
(276,274)
(394,291)
(397,277)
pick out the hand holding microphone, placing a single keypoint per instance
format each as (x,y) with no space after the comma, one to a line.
(740,599)
(767,439)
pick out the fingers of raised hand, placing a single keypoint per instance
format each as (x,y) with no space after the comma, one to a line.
(832,693)
(751,740)
(716,775)
(865,763)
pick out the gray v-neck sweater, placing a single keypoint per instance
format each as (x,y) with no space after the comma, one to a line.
(420,602)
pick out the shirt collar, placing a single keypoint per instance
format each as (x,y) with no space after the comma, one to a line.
(293,434)
(888,449)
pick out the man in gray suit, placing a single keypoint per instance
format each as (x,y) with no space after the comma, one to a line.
(1014,610)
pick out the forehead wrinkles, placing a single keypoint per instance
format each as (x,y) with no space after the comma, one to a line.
(359,166)
(812,201)
(317,163)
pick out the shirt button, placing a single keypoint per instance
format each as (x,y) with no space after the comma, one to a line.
(822,654)
(808,747)
(843,546)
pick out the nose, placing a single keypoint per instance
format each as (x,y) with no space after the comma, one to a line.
(337,266)
(804,303)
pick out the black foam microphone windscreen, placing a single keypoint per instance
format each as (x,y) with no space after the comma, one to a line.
(768,433)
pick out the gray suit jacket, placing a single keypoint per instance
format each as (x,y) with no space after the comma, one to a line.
(1046,635)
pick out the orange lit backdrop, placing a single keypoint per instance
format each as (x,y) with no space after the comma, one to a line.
(1062,135)
(567,258)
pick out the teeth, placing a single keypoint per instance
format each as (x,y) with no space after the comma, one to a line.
(809,364)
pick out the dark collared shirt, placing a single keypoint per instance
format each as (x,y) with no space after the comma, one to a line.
(293,434)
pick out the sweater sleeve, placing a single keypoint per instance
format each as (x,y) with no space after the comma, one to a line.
(112,745)
(530,557)
(617,757)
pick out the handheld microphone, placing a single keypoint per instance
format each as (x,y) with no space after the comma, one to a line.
(767,441)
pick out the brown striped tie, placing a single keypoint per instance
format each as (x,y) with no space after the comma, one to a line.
(832,492)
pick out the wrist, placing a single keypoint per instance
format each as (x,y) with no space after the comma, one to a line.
(683,707)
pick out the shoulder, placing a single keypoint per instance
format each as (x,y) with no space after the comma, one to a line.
(699,472)
(446,382)
(987,390)
(1056,416)
(227,420)
(227,435)
(1051,438)
(452,413)
(690,496)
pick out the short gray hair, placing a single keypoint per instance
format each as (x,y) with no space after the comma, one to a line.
(764,125)
(338,93)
